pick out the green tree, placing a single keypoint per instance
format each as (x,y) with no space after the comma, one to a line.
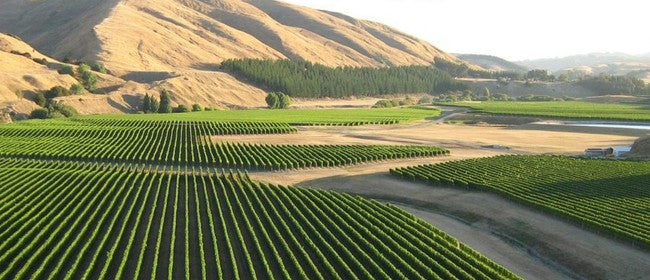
(57,91)
(181,109)
(65,110)
(197,107)
(39,98)
(87,77)
(145,106)
(66,70)
(273,100)
(154,106)
(98,67)
(284,101)
(165,102)
(76,89)
(40,113)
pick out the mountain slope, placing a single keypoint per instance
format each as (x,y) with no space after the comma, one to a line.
(492,63)
(594,63)
(170,35)
(21,76)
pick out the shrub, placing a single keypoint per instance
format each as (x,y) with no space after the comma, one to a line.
(58,108)
(272,100)
(87,77)
(76,89)
(39,98)
(197,108)
(56,115)
(40,60)
(66,70)
(57,91)
(25,54)
(66,110)
(383,104)
(181,109)
(425,100)
(284,101)
(40,113)
(98,67)
(406,101)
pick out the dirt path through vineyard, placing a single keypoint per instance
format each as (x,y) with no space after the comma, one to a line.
(531,244)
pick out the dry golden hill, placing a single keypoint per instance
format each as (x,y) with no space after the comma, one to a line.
(21,75)
(24,72)
(178,45)
(176,35)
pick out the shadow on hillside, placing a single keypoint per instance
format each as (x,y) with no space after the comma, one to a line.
(146,77)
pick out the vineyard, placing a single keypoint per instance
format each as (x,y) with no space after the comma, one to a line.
(608,196)
(64,220)
(347,117)
(562,109)
(183,143)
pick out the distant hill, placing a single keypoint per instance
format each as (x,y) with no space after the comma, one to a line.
(179,44)
(491,62)
(171,35)
(594,64)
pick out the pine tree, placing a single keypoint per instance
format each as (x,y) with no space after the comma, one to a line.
(165,102)
(146,104)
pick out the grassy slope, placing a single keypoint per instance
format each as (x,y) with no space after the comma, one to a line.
(302,116)
(565,109)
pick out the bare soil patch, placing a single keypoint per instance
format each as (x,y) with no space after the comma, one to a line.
(519,139)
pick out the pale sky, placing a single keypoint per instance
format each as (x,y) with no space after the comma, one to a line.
(511,29)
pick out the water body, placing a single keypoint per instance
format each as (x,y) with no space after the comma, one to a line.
(612,125)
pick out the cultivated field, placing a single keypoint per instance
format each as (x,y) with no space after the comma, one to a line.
(297,117)
(563,109)
(145,196)
(610,196)
(73,220)
(183,143)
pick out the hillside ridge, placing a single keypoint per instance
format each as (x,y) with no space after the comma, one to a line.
(168,35)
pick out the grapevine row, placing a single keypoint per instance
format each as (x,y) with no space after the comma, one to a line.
(605,195)
(136,221)
(180,143)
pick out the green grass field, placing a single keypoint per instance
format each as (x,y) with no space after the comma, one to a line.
(562,109)
(608,195)
(83,221)
(294,117)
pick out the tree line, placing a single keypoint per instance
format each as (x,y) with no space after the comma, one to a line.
(607,84)
(306,79)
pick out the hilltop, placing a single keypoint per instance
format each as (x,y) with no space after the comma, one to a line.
(595,64)
(172,35)
(492,63)
(179,44)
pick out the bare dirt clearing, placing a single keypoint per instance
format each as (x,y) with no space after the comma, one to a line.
(520,139)
(532,244)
